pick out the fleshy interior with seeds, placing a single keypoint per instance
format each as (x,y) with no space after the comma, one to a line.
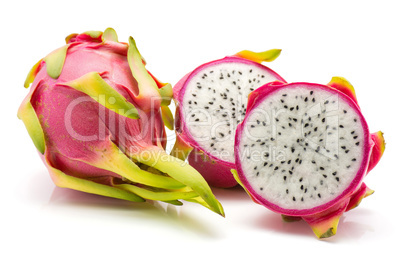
(301,146)
(215,101)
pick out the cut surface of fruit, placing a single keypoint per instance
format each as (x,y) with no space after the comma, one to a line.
(302,147)
(213,102)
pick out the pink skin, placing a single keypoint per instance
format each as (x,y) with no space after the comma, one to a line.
(254,100)
(217,173)
(88,118)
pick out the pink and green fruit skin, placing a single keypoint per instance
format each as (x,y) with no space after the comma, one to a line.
(97,118)
(216,171)
(323,219)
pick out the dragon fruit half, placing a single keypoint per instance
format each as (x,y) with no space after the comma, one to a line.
(95,114)
(303,150)
(211,103)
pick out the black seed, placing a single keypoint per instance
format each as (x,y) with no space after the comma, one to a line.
(212,144)
(357,143)
(341,126)
(284,95)
(211,102)
(291,109)
(289,161)
(255,168)
(313,162)
(297,107)
(319,195)
(346,151)
(313,99)
(322,168)
(194,95)
(276,168)
(293,150)
(294,199)
(261,188)
(282,162)
(197,119)
(252,126)
(355,137)
(222,135)
(344,111)
(206,107)
(272,139)
(266,155)
(287,191)
(301,187)
(325,176)
(290,125)
(265,163)
(301,179)
(323,120)
(284,178)
(306,99)
(334,174)
(290,172)
(258,173)
(311,92)
(354,159)
(353,132)
(297,160)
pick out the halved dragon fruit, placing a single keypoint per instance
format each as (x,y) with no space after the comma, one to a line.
(303,150)
(96,114)
(211,102)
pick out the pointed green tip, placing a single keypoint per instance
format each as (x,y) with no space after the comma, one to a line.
(28,115)
(259,57)
(55,61)
(93,34)
(110,35)
(330,232)
(32,74)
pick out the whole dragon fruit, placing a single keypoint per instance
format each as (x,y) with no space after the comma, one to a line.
(211,102)
(95,114)
(309,159)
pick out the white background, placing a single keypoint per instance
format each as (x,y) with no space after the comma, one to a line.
(360,40)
